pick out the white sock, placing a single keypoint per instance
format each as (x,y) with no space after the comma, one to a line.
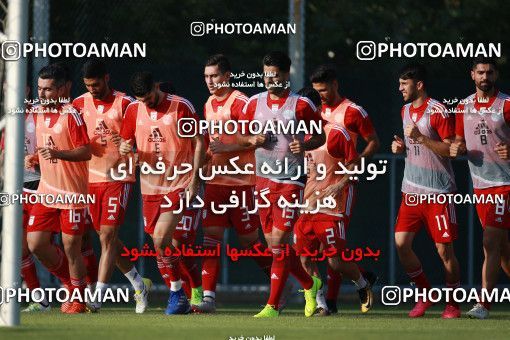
(175,285)
(134,278)
(101,286)
(321,300)
(209,294)
(360,283)
(40,294)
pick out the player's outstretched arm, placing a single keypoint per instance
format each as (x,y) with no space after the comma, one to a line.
(79,154)
(316,141)
(216,146)
(251,141)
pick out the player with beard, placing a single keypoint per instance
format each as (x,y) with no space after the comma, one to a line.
(483,133)
(153,122)
(102,109)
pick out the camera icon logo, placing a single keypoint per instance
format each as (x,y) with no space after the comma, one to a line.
(411,200)
(366,50)
(187,127)
(197,28)
(11,50)
(391,295)
(4,199)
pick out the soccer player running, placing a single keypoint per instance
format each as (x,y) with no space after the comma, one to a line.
(326,228)
(223,105)
(87,251)
(152,123)
(428,131)
(31,178)
(482,131)
(339,110)
(278,103)
(103,109)
(63,151)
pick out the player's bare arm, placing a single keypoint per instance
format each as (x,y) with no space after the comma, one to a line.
(316,141)
(398,145)
(251,141)
(116,139)
(125,146)
(198,162)
(503,150)
(216,146)
(334,190)
(31,160)
(458,147)
(371,148)
(79,154)
(441,148)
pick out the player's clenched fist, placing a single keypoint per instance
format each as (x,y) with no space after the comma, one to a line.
(412,131)
(456,149)
(47,153)
(31,161)
(398,145)
(296,147)
(116,139)
(125,147)
(502,150)
(259,139)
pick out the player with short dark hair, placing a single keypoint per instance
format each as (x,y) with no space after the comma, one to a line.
(325,229)
(224,104)
(102,109)
(279,103)
(63,152)
(483,132)
(428,130)
(340,110)
(152,123)
(31,177)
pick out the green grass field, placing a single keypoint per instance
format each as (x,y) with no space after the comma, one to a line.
(381,323)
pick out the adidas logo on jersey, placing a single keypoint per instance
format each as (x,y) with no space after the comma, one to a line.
(111,218)
(248,226)
(75,227)
(274,277)
(50,143)
(499,219)
(156,136)
(482,128)
(101,128)
(446,234)
(205,272)
(287,224)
